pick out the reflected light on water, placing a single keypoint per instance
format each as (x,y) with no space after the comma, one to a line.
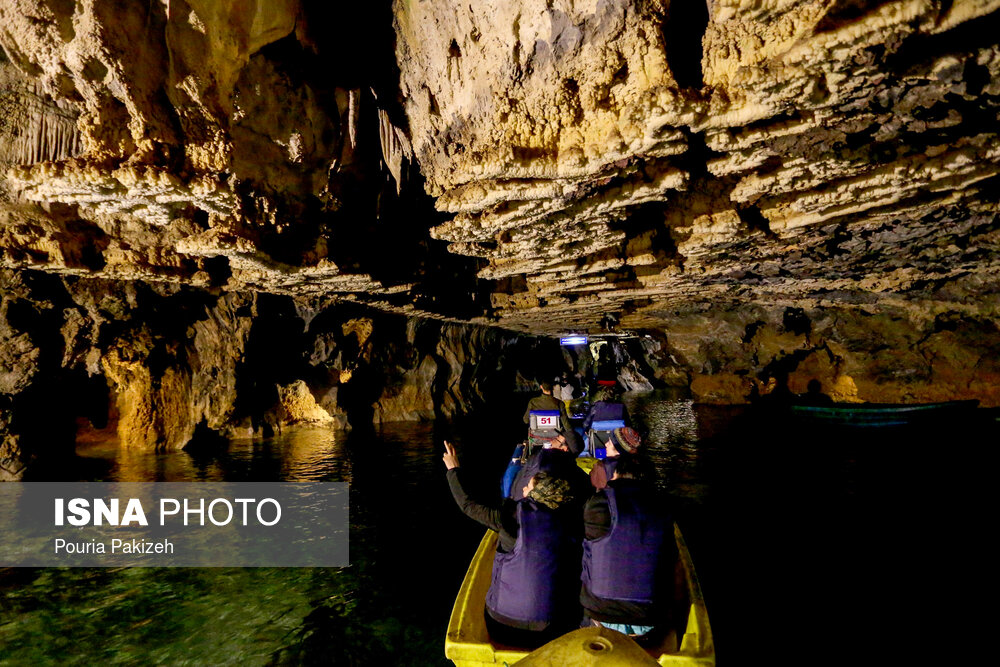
(670,426)
(302,454)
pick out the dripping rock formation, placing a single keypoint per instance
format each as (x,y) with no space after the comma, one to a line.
(800,188)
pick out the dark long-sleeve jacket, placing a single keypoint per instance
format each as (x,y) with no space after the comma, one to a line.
(500,516)
(547,402)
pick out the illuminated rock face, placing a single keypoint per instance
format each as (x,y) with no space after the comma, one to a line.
(162,367)
(682,170)
(886,354)
(597,167)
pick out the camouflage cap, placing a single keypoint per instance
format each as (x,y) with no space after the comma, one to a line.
(551,491)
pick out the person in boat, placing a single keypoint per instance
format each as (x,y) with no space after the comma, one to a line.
(629,554)
(607,406)
(623,441)
(546,401)
(814,394)
(532,598)
(557,459)
(557,385)
(567,392)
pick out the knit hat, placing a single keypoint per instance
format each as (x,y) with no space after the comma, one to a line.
(551,491)
(626,440)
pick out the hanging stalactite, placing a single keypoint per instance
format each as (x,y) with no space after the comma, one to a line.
(35,129)
(396,147)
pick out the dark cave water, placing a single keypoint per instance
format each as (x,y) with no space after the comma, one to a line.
(812,545)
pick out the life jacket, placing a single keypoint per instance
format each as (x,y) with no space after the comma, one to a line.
(628,564)
(532,583)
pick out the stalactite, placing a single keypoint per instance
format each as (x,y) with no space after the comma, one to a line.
(353,109)
(42,136)
(38,130)
(395,147)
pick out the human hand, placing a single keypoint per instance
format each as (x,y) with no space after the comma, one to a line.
(450,457)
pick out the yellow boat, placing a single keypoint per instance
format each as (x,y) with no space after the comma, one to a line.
(467,643)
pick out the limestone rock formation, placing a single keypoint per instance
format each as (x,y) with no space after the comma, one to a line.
(888,355)
(683,174)
(589,157)
(165,366)
(598,168)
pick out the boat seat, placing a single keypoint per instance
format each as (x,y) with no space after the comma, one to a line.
(600,433)
(543,426)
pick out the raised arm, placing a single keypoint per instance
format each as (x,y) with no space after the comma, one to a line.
(485,514)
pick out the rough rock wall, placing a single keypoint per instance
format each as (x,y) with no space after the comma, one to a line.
(599,169)
(886,355)
(379,367)
(155,364)
(38,397)
(596,165)
(249,145)
(163,367)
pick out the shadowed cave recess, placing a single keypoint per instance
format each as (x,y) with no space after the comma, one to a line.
(221,219)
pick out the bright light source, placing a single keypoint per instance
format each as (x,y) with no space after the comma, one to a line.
(573,340)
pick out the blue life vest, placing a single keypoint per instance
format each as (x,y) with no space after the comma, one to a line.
(533,582)
(629,563)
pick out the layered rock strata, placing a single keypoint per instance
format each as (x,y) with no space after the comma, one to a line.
(588,158)
(598,168)
(730,354)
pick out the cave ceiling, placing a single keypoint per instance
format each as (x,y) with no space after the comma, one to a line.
(545,166)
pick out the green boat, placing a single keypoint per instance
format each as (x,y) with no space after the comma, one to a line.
(883,414)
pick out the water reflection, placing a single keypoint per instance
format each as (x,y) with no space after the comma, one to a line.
(382,608)
(676,434)
(777,520)
(298,455)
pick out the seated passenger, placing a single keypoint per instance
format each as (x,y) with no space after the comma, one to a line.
(566,393)
(622,441)
(557,460)
(532,598)
(546,401)
(607,407)
(629,555)
(814,394)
